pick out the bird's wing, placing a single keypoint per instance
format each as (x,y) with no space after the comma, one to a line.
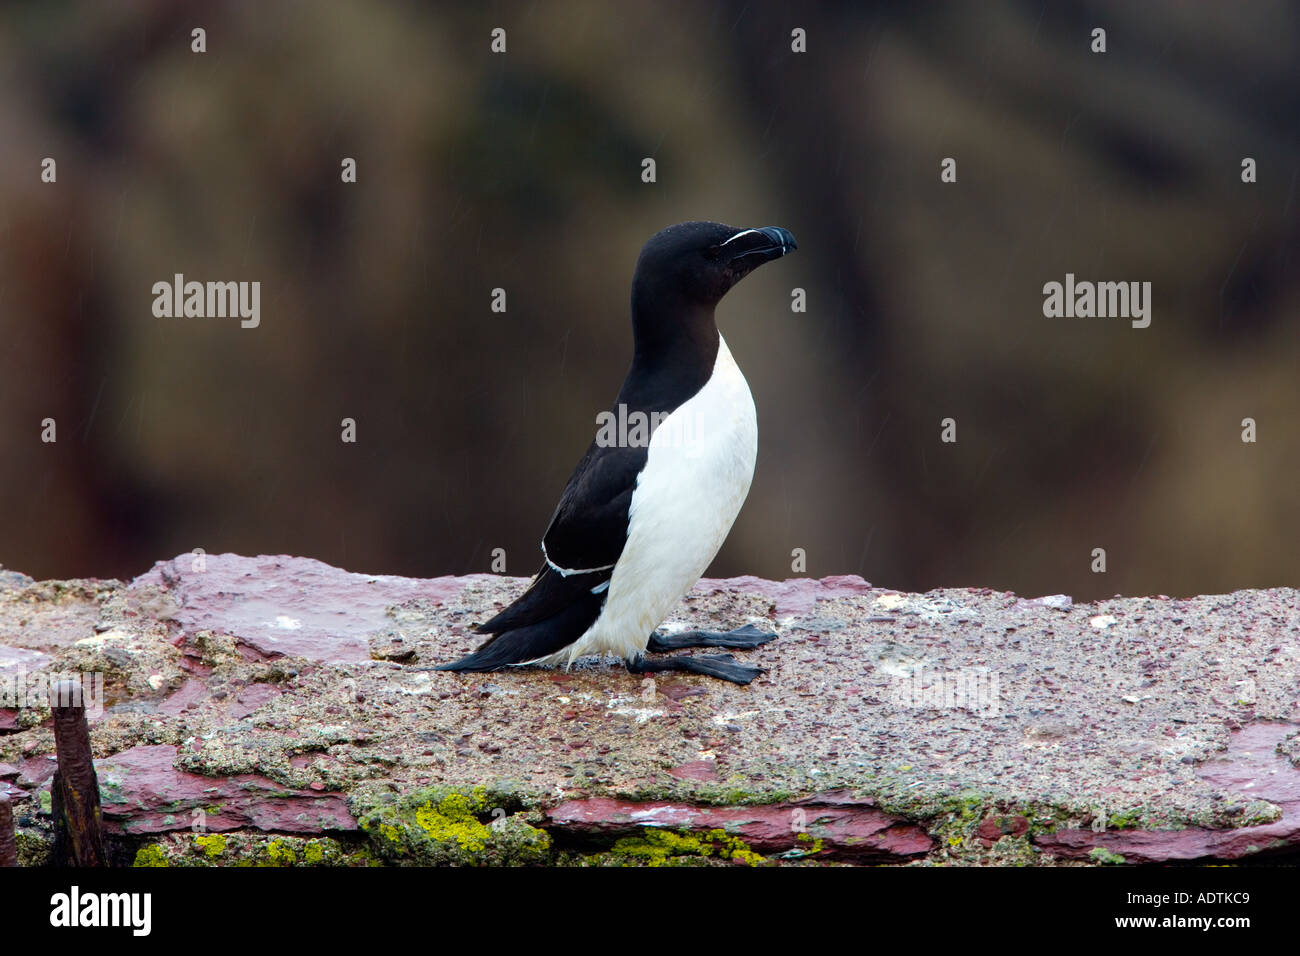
(553,613)
(589,527)
(547,596)
(583,543)
(584,539)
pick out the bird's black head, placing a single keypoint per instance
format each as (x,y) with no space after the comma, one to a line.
(682,274)
(701,261)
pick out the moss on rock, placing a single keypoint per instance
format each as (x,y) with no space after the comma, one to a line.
(33,849)
(660,847)
(1104,856)
(250,849)
(441,826)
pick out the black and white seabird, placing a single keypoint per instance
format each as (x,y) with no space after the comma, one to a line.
(640,520)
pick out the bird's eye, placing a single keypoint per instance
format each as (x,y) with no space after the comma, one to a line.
(712,252)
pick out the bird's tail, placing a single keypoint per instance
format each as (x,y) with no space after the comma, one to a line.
(533,642)
(493,654)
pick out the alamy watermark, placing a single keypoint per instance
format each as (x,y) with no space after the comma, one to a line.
(208,300)
(21,690)
(623,429)
(974,690)
(1102,300)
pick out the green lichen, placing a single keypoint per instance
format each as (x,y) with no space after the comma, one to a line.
(1105,857)
(453,819)
(151,855)
(35,716)
(806,845)
(110,791)
(730,793)
(441,826)
(954,831)
(212,846)
(251,849)
(1259,812)
(1124,819)
(34,849)
(660,847)
(281,854)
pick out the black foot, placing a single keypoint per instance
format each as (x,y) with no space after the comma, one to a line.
(721,666)
(742,637)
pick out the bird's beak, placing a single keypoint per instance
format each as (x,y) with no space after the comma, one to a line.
(780,239)
(753,247)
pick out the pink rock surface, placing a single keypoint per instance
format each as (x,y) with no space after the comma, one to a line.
(1251,767)
(992,829)
(1123,704)
(194,692)
(286,606)
(8,782)
(706,770)
(852,830)
(793,595)
(250,699)
(145,793)
(15,659)
(35,771)
(191,692)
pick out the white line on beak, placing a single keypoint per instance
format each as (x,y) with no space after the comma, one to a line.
(743,232)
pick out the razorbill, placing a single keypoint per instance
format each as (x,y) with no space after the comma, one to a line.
(647,509)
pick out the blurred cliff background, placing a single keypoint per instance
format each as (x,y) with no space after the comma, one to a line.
(523,171)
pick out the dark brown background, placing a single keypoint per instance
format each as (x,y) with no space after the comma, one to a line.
(523,171)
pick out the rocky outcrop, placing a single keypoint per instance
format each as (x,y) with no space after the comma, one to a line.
(278,710)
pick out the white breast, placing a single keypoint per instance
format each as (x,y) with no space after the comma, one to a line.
(697,474)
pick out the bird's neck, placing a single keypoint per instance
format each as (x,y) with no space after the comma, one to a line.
(675,347)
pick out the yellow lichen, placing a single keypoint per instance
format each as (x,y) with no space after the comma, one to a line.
(806,837)
(151,855)
(452,820)
(658,847)
(212,846)
(280,854)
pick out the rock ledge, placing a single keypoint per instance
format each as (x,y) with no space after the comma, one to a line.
(274,710)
